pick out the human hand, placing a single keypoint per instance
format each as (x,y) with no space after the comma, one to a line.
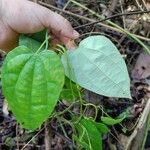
(23,16)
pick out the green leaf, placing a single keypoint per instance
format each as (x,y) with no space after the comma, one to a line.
(70,90)
(32,83)
(66,94)
(88,135)
(98,66)
(39,36)
(9,141)
(111,121)
(102,128)
(30,43)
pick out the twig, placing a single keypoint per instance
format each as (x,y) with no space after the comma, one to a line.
(138,4)
(144,3)
(146,132)
(145,47)
(114,16)
(32,138)
(48,136)
(131,27)
(123,17)
(21,144)
(140,124)
(17,141)
(115,137)
(66,5)
(91,20)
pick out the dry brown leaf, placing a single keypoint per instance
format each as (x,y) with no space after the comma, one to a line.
(141,69)
(123,139)
(5,108)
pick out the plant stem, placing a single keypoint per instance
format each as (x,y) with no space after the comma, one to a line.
(45,41)
(91,20)
(64,111)
(95,107)
(46,37)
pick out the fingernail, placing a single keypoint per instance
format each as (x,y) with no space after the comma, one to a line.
(75,34)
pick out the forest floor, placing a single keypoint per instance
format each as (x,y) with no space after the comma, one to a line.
(134,130)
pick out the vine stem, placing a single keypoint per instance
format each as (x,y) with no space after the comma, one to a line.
(46,38)
(45,42)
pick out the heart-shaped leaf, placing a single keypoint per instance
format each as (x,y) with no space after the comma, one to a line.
(30,43)
(98,66)
(102,128)
(32,83)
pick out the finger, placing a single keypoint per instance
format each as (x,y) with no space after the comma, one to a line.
(70,44)
(35,18)
(56,22)
(59,38)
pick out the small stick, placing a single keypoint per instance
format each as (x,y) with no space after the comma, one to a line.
(32,139)
(91,20)
(48,136)
(140,124)
(145,47)
(123,17)
(17,142)
(114,16)
(138,4)
(144,3)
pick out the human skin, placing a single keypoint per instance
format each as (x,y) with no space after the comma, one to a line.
(23,16)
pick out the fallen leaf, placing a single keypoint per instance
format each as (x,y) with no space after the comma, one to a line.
(141,69)
(5,108)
